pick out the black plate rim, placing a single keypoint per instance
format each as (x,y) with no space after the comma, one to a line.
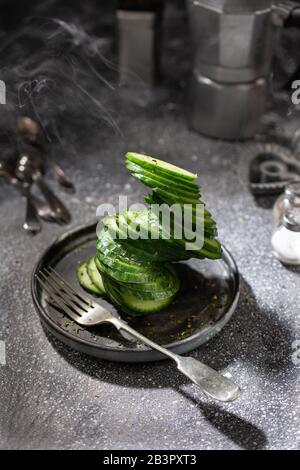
(130,354)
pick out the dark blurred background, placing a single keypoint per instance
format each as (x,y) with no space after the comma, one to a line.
(59,61)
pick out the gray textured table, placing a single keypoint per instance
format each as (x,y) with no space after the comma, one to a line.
(53,397)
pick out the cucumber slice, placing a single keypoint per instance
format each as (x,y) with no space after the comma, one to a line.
(156,290)
(159,279)
(85,280)
(147,306)
(191,185)
(156,250)
(145,296)
(211,248)
(210,245)
(114,255)
(94,274)
(111,248)
(170,182)
(173,198)
(124,276)
(200,253)
(131,303)
(120,274)
(159,166)
(155,185)
(155,199)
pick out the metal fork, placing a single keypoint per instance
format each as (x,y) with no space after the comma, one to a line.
(86,312)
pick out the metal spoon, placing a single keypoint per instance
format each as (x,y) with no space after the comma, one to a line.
(29,132)
(32,223)
(28,170)
(43,209)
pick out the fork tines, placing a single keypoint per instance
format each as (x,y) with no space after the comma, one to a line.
(65,296)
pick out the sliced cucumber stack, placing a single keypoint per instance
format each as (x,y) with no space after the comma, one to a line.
(135,250)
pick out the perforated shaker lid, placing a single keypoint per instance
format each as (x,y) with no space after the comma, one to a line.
(291,220)
(292,189)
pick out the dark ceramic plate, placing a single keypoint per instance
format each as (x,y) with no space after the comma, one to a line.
(207,299)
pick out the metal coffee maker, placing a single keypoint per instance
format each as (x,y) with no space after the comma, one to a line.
(234,42)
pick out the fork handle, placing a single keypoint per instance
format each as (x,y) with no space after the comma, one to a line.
(212,383)
(121,325)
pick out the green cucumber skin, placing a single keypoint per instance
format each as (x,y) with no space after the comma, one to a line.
(176,199)
(123,276)
(155,287)
(109,247)
(173,183)
(146,295)
(130,305)
(155,199)
(119,275)
(160,167)
(155,186)
(210,229)
(94,274)
(114,258)
(114,262)
(143,220)
(85,281)
(209,246)
(155,249)
(158,292)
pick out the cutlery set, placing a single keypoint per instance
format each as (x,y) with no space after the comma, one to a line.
(26,170)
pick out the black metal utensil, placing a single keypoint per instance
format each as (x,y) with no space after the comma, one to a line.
(28,170)
(30,139)
(32,222)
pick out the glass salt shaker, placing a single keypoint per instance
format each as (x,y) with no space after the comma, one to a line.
(286,235)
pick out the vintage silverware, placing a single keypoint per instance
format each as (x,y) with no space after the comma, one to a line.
(32,222)
(29,132)
(29,170)
(86,312)
(43,209)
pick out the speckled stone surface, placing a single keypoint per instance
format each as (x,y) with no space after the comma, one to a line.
(53,397)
